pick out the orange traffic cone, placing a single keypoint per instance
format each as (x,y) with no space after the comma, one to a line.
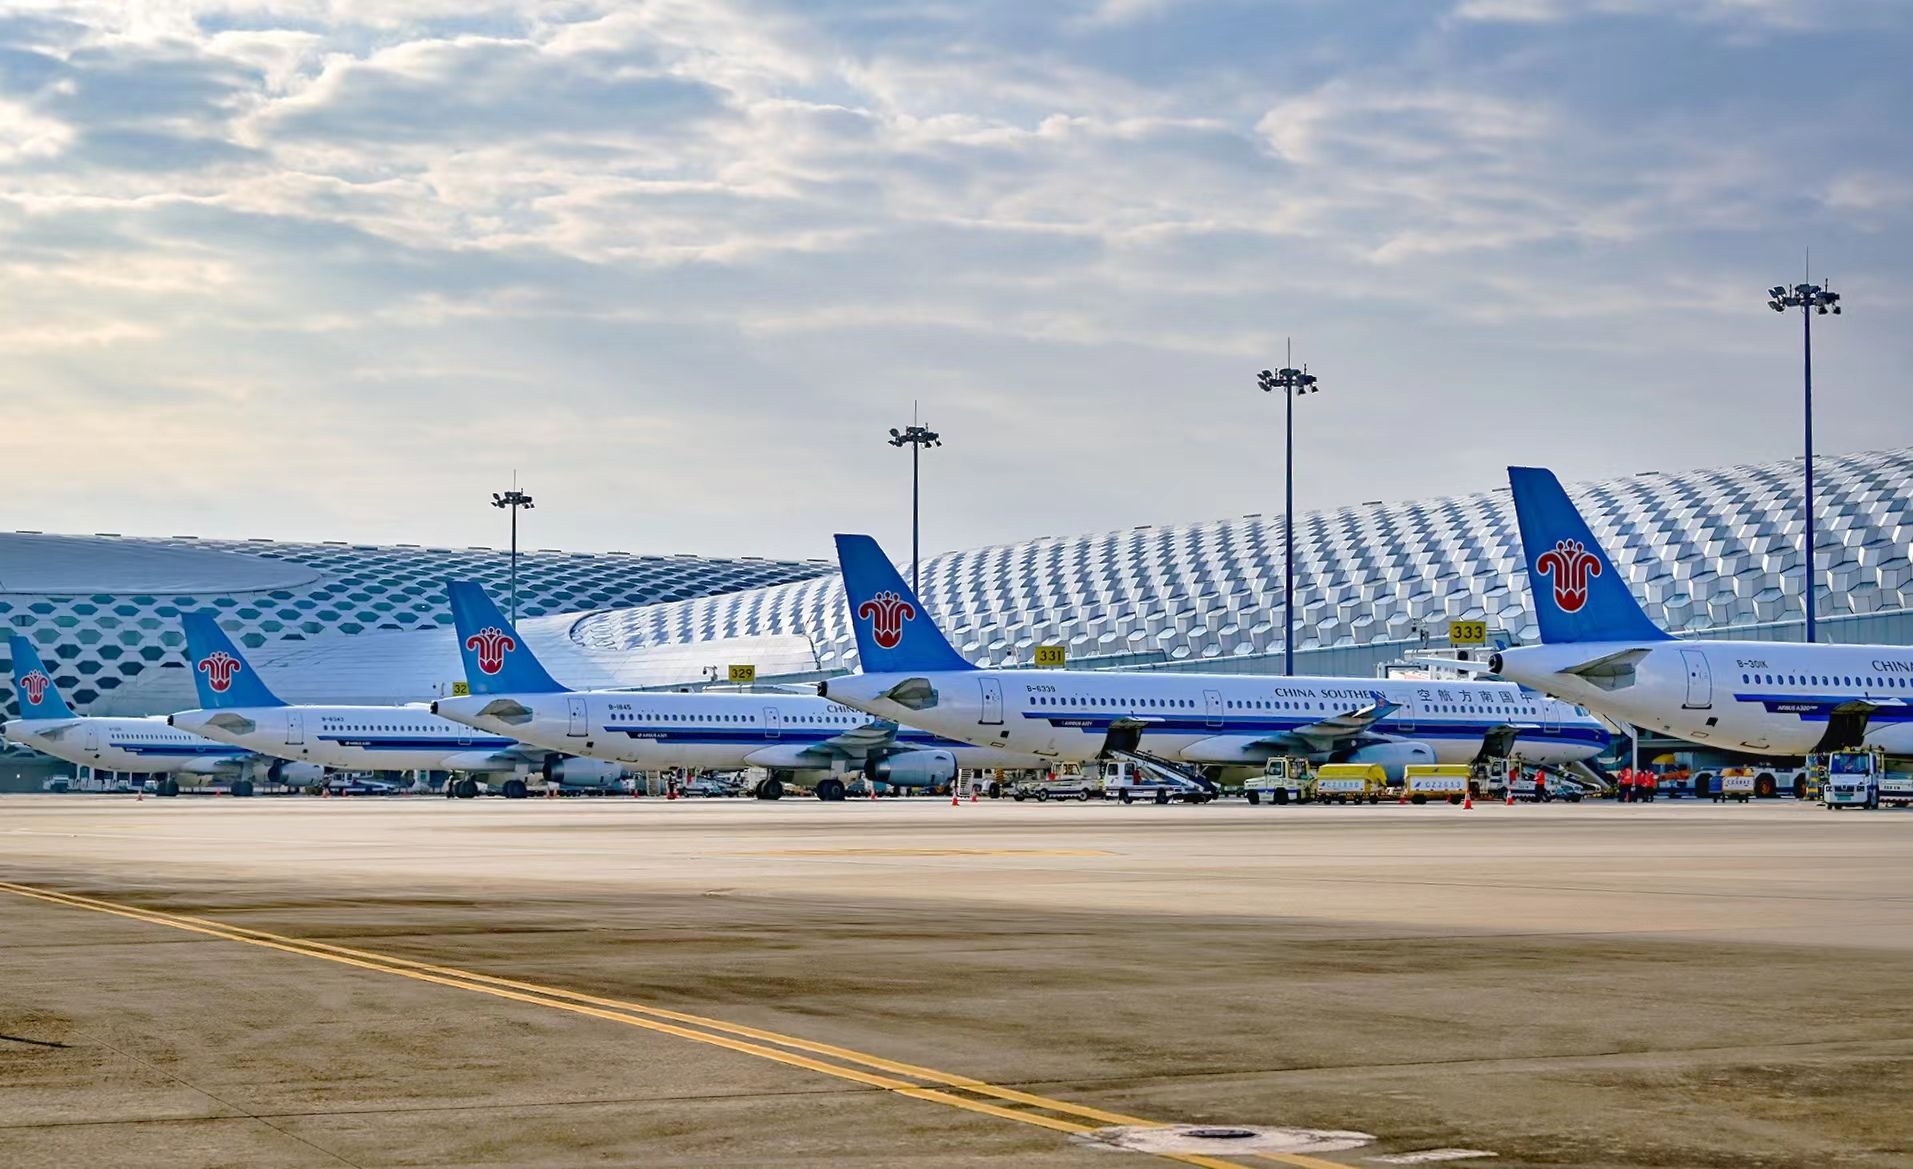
(954,801)
(1511,797)
(1469,802)
(325,790)
(139,797)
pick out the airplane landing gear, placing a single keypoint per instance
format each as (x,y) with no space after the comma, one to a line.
(830,790)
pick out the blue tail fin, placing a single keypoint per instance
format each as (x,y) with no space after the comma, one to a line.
(497,660)
(1578,593)
(894,634)
(33,686)
(224,677)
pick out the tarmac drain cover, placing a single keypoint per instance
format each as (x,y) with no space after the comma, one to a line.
(1198,1138)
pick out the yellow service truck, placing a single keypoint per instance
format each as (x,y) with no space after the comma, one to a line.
(1422,782)
(1351,783)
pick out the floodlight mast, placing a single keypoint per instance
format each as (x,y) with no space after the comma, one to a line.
(915,436)
(1293,383)
(1812,300)
(512,501)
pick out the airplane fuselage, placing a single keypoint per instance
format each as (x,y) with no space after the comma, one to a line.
(126,744)
(1224,720)
(1761,696)
(356,738)
(706,730)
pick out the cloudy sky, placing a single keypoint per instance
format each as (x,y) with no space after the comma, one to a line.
(335,270)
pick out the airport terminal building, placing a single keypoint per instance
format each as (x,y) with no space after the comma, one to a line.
(1712,553)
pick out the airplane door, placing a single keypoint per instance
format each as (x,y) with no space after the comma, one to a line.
(295,728)
(92,741)
(580,725)
(1550,717)
(1700,680)
(773,723)
(1212,705)
(992,715)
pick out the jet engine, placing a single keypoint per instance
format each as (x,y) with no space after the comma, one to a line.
(576,772)
(913,769)
(1392,756)
(295,774)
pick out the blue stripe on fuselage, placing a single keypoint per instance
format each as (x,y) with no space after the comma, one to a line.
(370,744)
(1197,724)
(1819,707)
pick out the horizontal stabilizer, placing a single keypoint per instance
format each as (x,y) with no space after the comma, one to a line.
(912,693)
(1613,671)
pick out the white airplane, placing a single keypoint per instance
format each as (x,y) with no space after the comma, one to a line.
(48,724)
(827,742)
(1599,649)
(1203,721)
(237,708)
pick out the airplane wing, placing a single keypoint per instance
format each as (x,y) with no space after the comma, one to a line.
(875,737)
(1336,727)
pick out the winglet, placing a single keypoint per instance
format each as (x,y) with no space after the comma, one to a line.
(33,685)
(223,676)
(1578,593)
(497,660)
(894,634)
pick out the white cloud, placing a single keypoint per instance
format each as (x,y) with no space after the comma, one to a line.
(698,255)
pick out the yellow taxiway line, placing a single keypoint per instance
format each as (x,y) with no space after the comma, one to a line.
(841,1062)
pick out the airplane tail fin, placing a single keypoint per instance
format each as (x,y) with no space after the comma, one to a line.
(33,685)
(222,674)
(497,660)
(894,634)
(1578,593)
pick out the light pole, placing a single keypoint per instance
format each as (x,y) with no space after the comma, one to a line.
(916,437)
(513,500)
(1811,300)
(1293,383)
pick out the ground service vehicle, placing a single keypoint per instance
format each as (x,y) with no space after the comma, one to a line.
(1493,775)
(1422,782)
(1351,783)
(1735,783)
(1850,778)
(1285,779)
(1130,781)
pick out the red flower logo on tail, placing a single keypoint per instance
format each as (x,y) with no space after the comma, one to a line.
(219,667)
(492,644)
(1570,564)
(886,613)
(35,684)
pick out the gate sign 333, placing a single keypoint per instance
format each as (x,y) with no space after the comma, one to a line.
(1467,632)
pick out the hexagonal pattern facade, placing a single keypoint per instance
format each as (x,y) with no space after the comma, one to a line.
(96,638)
(1703,550)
